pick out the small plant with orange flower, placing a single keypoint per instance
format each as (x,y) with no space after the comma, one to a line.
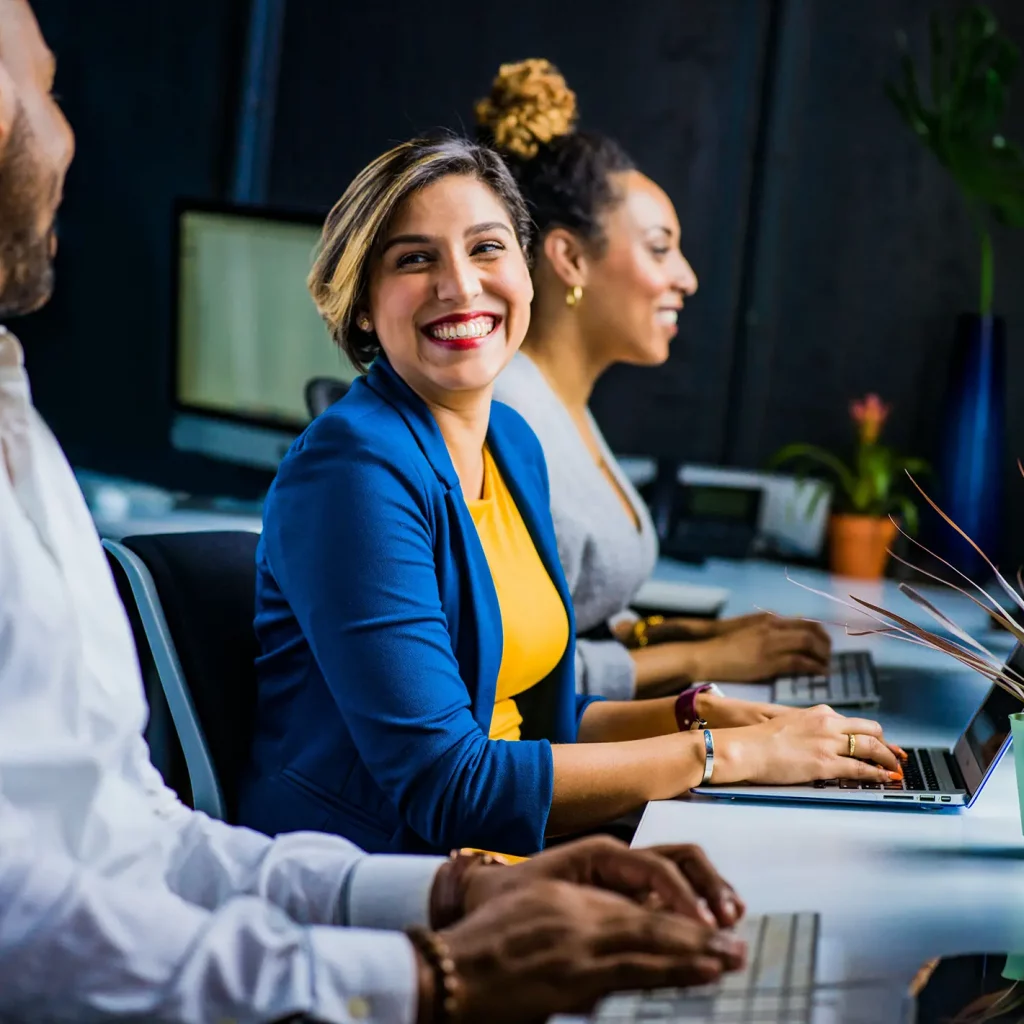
(873,482)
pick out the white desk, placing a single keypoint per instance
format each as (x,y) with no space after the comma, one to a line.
(177,521)
(894,886)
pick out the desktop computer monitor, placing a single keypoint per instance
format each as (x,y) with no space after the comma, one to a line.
(247,335)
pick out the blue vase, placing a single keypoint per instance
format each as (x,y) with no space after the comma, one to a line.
(972,461)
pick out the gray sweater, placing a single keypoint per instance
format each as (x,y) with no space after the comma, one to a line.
(604,556)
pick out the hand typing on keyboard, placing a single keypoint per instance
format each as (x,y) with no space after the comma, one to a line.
(729,713)
(804,745)
(559,948)
(679,878)
(763,646)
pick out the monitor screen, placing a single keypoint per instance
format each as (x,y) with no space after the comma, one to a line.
(990,726)
(249,336)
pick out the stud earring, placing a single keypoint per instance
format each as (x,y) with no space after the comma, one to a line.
(363,323)
(574,295)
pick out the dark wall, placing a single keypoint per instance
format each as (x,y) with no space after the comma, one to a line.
(843,275)
(865,252)
(677,83)
(151,90)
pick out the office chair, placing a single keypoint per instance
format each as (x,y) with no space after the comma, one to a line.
(322,392)
(194,595)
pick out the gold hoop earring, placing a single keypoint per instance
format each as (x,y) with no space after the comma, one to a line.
(363,323)
(574,295)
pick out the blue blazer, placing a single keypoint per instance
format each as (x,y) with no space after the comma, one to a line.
(380,638)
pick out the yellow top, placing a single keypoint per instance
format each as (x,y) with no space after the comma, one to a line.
(534,624)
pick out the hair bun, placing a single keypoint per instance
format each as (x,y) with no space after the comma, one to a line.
(529,104)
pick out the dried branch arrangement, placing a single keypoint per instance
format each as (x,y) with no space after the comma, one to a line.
(963,647)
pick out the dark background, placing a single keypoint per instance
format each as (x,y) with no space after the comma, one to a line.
(833,253)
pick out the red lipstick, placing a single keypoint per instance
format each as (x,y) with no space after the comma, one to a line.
(464,342)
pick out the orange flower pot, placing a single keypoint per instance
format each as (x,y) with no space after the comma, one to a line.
(858,545)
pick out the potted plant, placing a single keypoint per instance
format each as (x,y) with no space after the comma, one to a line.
(957,116)
(868,491)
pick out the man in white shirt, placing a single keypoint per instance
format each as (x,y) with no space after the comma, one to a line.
(117,902)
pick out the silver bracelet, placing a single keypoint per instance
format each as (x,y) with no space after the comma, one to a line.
(709,757)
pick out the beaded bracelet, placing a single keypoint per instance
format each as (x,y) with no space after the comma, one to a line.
(448,986)
(640,627)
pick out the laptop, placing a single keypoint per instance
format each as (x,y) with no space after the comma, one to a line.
(851,682)
(676,597)
(783,982)
(932,778)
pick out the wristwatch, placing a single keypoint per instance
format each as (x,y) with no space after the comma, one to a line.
(686,708)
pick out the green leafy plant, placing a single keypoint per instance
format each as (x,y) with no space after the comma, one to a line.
(871,484)
(971,66)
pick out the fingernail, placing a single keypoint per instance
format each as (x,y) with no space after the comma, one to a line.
(895,776)
(902,753)
(725,942)
(729,908)
(705,912)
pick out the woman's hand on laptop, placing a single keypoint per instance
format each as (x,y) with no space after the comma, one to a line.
(730,713)
(805,745)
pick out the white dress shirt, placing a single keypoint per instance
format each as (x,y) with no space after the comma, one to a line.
(117,901)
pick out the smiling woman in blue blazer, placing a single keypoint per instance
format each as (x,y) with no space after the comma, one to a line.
(416,681)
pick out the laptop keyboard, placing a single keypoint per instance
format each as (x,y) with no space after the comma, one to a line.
(918,776)
(775,987)
(851,680)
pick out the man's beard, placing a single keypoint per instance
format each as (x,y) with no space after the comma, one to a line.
(26,267)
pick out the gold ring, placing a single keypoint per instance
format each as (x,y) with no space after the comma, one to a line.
(853,745)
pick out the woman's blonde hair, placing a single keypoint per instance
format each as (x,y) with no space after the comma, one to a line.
(357,226)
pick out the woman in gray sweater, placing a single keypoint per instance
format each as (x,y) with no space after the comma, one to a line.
(610,281)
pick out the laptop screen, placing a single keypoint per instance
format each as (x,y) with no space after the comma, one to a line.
(991,725)
(989,729)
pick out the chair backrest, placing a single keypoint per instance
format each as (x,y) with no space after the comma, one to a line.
(206,584)
(322,392)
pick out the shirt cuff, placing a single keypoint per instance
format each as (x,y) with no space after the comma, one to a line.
(626,615)
(363,976)
(605,668)
(391,892)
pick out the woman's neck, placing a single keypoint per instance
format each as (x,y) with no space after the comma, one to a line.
(463,425)
(560,351)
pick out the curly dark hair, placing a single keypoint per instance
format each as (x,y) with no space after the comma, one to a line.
(564,174)
(358,225)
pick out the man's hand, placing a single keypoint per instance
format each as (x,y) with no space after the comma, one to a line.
(676,878)
(549,947)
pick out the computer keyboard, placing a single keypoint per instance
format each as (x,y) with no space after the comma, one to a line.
(775,987)
(851,682)
(919,776)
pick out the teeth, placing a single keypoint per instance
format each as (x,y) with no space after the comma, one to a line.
(475,328)
(668,316)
